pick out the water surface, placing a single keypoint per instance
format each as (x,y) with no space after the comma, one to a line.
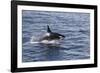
(74,26)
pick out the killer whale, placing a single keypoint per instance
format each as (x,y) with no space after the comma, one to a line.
(51,37)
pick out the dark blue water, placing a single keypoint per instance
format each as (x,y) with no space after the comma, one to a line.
(75,27)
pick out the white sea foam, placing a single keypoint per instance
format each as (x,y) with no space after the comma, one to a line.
(50,42)
(34,40)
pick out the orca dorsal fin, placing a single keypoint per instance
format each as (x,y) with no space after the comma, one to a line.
(48,29)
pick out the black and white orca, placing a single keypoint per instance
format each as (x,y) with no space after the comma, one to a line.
(51,37)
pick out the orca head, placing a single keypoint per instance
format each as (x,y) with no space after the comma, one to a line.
(48,29)
(61,36)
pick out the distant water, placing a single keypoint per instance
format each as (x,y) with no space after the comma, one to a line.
(75,27)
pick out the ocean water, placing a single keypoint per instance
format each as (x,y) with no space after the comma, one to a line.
(74,26)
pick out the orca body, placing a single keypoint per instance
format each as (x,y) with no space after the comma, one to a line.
(51,37)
